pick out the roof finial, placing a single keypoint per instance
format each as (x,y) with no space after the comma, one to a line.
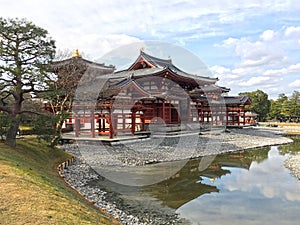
(76,54)
(142,49)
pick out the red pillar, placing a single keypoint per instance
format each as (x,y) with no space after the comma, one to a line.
(244,119)
(208,114)
(103,123)
(143,121)
(226,116)
(202,113)
(133,122)
(197,111)
(93,123)
(111,122)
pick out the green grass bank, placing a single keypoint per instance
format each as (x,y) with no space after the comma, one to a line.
(32,192)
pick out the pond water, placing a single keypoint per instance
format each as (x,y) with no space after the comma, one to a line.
(249,187)
(253,189)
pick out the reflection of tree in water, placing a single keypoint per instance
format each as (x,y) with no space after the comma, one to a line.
(292,148)
(258,155)
(188,183)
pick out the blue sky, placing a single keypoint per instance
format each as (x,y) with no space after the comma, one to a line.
(249,45)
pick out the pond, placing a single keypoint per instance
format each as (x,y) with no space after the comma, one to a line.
(249,187)
(253,189)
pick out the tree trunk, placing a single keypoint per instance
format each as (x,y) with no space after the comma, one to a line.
(55,137)
(57,132)
(13,131)
(54,141)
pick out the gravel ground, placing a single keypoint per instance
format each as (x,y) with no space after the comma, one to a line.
(83,178)
(88,183)
(165,148)
(293,164)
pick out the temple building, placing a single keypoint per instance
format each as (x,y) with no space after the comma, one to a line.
(151,94)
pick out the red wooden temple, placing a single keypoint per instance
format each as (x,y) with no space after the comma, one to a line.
(151,94)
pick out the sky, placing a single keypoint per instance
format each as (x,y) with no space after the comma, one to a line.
(248,45)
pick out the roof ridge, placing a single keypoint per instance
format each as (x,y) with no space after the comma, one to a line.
(156,58)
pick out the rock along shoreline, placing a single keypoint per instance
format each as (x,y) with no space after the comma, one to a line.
(293,164)
(87,181)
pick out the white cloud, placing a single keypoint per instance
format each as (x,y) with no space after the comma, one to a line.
(292,32)
(229,42)
(268,35)
(95,45)
(96,27)
(220,70)
(295,84)
(257,53)
(146,18)
(224,74)
(261,62)
(255,81)
(292,69)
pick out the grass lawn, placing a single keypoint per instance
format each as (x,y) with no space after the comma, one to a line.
(32,192)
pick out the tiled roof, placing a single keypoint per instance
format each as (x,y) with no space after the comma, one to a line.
(157,62)
(167,63)
(236,100)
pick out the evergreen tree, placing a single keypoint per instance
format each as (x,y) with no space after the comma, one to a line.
(25,53)
(260,103)
(292,106)
(276,111)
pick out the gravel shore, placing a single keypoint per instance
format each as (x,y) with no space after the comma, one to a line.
(293,164)
(81,175)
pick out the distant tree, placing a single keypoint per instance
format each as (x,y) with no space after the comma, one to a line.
(25,53)
(260,103)
(281,98)
(295,102)
(286,109)
(276,107)
(275,110)
(291,107)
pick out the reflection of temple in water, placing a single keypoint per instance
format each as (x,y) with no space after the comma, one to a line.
(189,184)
